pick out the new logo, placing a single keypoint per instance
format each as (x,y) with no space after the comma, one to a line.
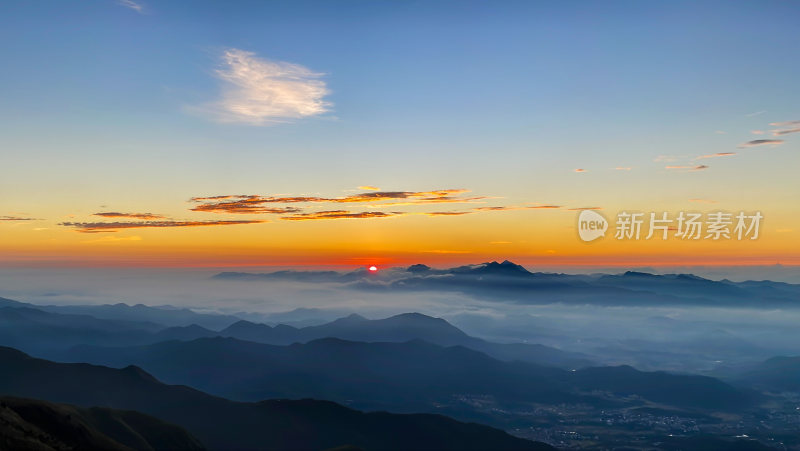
(591,225)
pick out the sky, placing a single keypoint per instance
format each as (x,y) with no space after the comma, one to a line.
(184,134)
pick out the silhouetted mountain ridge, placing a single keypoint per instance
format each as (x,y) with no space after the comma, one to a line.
(374,375)
(223,424)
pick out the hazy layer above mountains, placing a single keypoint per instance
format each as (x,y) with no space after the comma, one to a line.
(672,322)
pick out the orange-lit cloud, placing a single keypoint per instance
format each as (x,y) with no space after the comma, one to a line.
(716,155)
(252,204)
(580,170)
(340,214)
(690,168)
(515,207)
(623,168)
(794,127)
(244,205)
(785,124)
(114,214)
(94,227)
(369,188)
(584,208)
(448,213)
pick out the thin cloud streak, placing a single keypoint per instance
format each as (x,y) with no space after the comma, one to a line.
(785,131)
(252,204)
(115,214)
(95,227)
(16,218)
(341,214)
(761,142)
(515,207)
(130,4)
(716,155)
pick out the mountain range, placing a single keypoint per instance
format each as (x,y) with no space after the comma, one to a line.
(222,424)
(41,425)
(512,282)
(371,375)
(47,333)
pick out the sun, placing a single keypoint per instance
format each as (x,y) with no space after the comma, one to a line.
(373,269)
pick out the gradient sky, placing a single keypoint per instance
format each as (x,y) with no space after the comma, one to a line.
(138,107)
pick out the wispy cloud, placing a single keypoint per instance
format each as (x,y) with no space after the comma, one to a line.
(761,142)
(623,168)
(794,127)
(341,214)
(448,213)
(115,214)
(138,7)
(16,218)
(757,113)
(580,170)
(244,205)
(785,124)
(369,188)
(114,239)
(249,204)
(757,132)
(716,155)
(516,207)
(689,168)
(584,208)
(258,91)
(785,131)
(94,227)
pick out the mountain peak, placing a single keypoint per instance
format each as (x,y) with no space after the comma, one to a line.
(419,267)
(351,318)
(507,267)
(243,324)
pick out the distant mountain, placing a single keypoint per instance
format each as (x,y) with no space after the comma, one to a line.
(39,331)
(401,328)
(34,424)
(45,333)
(185,333)
(297,276)
(162,316)
(506,268)
(223,424)
(400,376)
(776,374)
(508,281)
